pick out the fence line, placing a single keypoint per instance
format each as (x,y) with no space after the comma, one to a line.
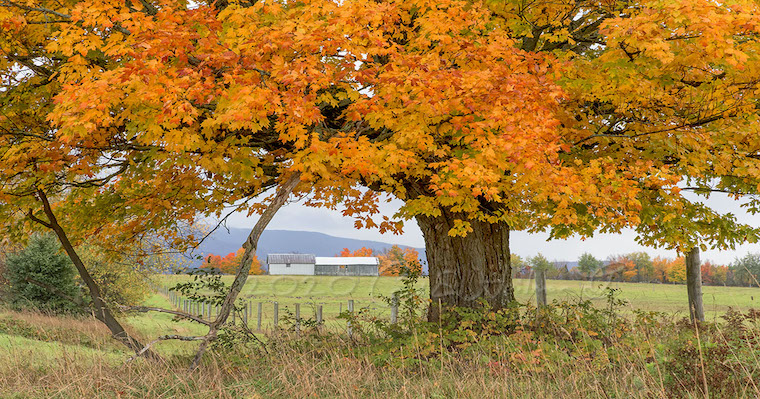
(207,311)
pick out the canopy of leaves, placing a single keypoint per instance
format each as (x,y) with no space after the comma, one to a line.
(572,115)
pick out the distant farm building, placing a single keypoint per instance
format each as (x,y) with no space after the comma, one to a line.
(295,264)
(310,265)
(347,266)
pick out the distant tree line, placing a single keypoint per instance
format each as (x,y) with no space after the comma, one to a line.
(639,267)
(392,260)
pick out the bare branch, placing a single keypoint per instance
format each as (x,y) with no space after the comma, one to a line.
(7,3)
(159,339)
(250,244)
(145,309)
(54,290)
(38,220)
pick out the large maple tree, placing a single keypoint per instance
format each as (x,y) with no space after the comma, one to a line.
(574,116)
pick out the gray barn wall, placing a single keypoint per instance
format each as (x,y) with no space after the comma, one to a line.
(349,270)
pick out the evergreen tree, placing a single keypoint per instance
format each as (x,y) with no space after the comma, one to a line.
(42,262)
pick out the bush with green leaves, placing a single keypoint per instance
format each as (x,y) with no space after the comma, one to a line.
(121,281)
(41,276)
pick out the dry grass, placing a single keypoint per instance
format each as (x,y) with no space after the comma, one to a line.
(331,368)
(293,374)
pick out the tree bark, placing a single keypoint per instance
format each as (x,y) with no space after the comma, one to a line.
(101,310)
(694,285)
(250,244)
(466,270)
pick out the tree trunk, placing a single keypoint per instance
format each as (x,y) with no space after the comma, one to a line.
(249,246)
(465,270)
(694,285)
(101,310)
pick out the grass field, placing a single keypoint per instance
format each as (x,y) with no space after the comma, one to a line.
(333,294)
(62,357)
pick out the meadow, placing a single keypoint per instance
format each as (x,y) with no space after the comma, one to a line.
(574,352)
(333,294)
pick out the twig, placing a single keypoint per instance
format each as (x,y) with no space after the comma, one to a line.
(162,338)
(38,9)
(54,290)
(144,309)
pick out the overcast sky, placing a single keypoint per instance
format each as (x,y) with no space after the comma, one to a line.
(295,216)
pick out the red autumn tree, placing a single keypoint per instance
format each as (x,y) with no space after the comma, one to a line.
(231,262)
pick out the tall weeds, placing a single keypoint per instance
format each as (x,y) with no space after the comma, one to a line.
(566,350)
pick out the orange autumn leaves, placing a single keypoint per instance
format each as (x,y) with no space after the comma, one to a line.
(230,263)
(392,259)
(439,103)
(431,102)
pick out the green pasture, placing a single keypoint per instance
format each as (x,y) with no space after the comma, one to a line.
(333,293)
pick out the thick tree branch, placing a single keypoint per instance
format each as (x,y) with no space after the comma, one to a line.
(38,220)
(7,3)
(250,244)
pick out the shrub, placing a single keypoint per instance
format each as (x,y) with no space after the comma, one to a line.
(723,362)
(120,282)
(42,261)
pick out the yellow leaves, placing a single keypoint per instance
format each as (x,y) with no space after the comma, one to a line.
(461,228)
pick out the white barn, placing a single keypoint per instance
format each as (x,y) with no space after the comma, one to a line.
(309,265)
(291,264)
(347,266)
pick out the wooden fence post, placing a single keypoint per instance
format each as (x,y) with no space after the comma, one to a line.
(319,314)
(394,309)
(540,287)
(258,322)
(245,314)
(351,311)
(276,313)
(298,318)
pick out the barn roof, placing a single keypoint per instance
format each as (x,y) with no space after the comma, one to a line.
(290,258)
(355,260)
